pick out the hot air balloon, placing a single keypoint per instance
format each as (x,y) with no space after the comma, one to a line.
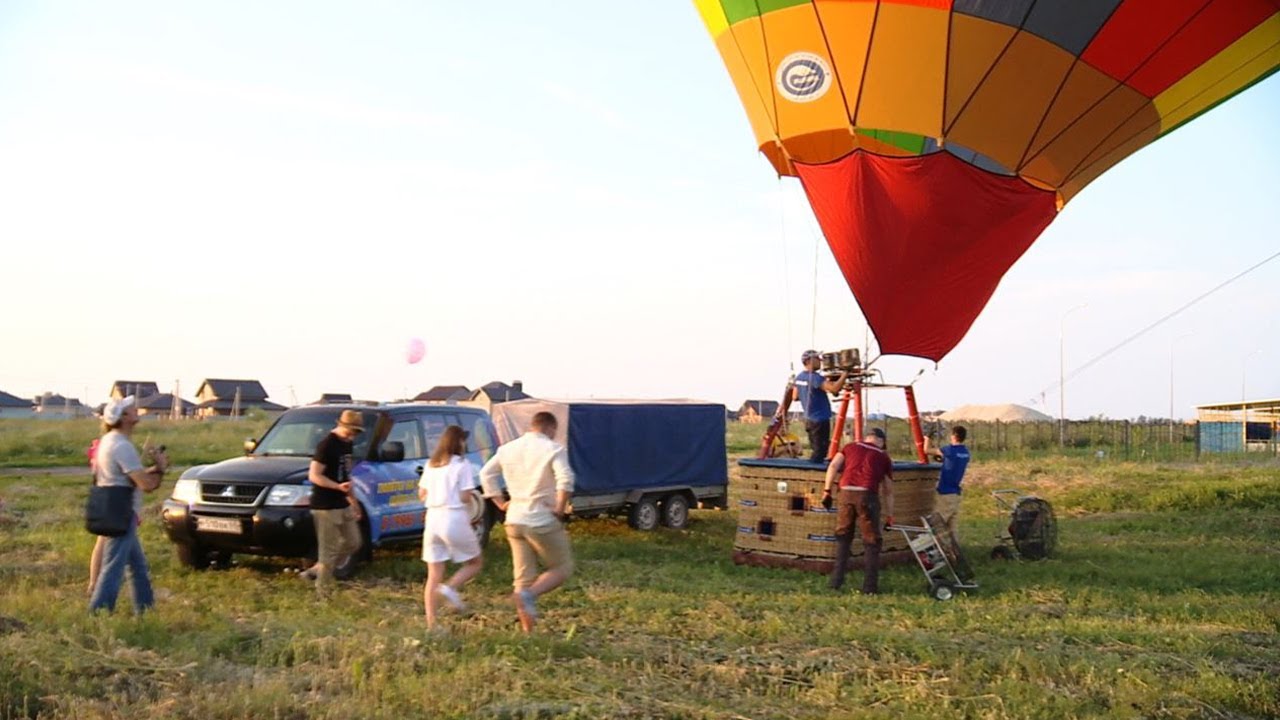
(936,139)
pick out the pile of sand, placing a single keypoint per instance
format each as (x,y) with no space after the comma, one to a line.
(1008,412)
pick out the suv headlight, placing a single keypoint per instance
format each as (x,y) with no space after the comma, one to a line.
(187,491)
(289,495)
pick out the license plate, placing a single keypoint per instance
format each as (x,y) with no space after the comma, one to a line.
(219,525)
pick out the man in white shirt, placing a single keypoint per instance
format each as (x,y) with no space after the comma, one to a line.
(117,463)
(540,483)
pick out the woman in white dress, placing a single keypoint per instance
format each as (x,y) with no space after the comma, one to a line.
(448,535)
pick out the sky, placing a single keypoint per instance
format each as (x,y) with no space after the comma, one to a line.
(566,194)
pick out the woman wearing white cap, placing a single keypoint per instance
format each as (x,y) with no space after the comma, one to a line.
(117,463)
(448,535)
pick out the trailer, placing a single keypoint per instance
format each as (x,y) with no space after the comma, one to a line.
(651,460)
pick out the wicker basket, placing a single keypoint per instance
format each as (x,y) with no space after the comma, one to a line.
(781,521)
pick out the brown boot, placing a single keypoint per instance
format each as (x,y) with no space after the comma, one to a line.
(836,580)
(871,570)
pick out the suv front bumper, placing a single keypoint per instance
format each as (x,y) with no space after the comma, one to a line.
(282,531)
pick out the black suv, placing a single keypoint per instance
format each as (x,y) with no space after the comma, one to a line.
(259,503)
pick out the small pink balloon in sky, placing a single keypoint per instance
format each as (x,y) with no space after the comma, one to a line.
(416,350)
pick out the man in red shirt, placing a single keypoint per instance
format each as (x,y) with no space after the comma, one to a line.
(866,478)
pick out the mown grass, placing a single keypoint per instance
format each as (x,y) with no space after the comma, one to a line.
(1162,603)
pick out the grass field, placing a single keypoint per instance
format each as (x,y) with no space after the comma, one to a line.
(1162,603)
(30,443)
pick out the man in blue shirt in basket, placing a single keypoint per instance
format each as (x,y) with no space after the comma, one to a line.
(811,389)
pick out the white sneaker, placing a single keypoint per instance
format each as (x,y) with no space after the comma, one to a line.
(452,597)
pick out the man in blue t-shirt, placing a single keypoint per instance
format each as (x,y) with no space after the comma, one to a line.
(811,389)
(955,460)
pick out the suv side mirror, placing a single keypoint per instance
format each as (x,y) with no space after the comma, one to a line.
(392,451)
(250,444)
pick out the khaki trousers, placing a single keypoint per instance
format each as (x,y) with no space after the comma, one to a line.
(948,508)
(529,545)
(337,538)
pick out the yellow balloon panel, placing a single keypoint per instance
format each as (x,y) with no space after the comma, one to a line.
(1227,73)
(756,100)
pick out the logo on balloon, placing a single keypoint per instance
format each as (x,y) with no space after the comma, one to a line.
(803,77)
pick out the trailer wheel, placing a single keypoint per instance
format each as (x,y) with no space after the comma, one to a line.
(675,511)
(941,590)
(643,514)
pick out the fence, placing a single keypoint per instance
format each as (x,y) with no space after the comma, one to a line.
(1100,439)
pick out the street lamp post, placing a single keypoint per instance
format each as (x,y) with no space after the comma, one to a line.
(1244,373)
(1172,344)
(1062,380)
(1244,407)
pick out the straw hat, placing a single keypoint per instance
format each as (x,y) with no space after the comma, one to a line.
(352,420)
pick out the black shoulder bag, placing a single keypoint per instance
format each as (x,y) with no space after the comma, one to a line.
(109,510)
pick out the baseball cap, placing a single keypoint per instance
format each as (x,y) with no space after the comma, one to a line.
(114,410)
(809,354)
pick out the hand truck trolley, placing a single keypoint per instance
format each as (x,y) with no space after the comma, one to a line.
(939,556)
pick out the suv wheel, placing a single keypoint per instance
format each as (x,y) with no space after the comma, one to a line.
(192,556)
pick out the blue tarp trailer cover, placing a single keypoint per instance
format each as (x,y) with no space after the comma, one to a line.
(617,445)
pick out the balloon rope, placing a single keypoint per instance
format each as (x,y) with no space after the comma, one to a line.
(813,328)
(786,272)
(1097,358)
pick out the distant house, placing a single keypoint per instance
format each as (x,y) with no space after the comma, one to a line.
(53,406)
(12,406)
(444,394)
(161,405)
(217,398)
(334,399)
(137,388)
(757,411)
(1243,426)
(490,394)
(731,415)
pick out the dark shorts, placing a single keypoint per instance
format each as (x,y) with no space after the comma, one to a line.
(861,510)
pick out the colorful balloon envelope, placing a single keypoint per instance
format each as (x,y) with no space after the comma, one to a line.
(936,139)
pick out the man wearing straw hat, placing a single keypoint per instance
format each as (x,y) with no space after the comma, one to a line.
(866,476)
(334,510)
